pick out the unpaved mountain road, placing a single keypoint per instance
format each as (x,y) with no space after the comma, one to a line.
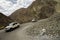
(19,34)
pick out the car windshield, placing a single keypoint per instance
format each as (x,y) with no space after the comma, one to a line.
(14,23)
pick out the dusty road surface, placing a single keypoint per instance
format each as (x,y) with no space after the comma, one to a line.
(19,34)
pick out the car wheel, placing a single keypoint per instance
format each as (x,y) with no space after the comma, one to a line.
(7,30)
(11,29)
(18,26)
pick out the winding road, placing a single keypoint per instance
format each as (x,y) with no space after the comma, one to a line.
(19,34)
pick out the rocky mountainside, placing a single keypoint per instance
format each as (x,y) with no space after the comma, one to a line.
(4,20)
(39,9)
(49,26)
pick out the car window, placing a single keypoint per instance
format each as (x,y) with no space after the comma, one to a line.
(14,23)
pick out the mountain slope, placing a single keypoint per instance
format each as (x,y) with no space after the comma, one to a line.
(39,9)
(50,25)
(4,20)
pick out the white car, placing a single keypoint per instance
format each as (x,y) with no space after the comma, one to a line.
(34,20)
(12,26)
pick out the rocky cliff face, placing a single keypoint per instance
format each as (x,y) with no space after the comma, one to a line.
(4,20)
(39,9)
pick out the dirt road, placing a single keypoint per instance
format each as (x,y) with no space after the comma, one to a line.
(19,34)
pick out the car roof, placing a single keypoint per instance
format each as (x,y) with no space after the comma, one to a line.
(13,22)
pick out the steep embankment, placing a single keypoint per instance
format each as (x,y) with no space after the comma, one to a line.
(50,25)
(39,9)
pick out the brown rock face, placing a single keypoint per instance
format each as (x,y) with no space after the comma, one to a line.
(39,9)
(4,20)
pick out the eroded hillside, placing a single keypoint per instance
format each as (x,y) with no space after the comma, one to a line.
(39,9)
